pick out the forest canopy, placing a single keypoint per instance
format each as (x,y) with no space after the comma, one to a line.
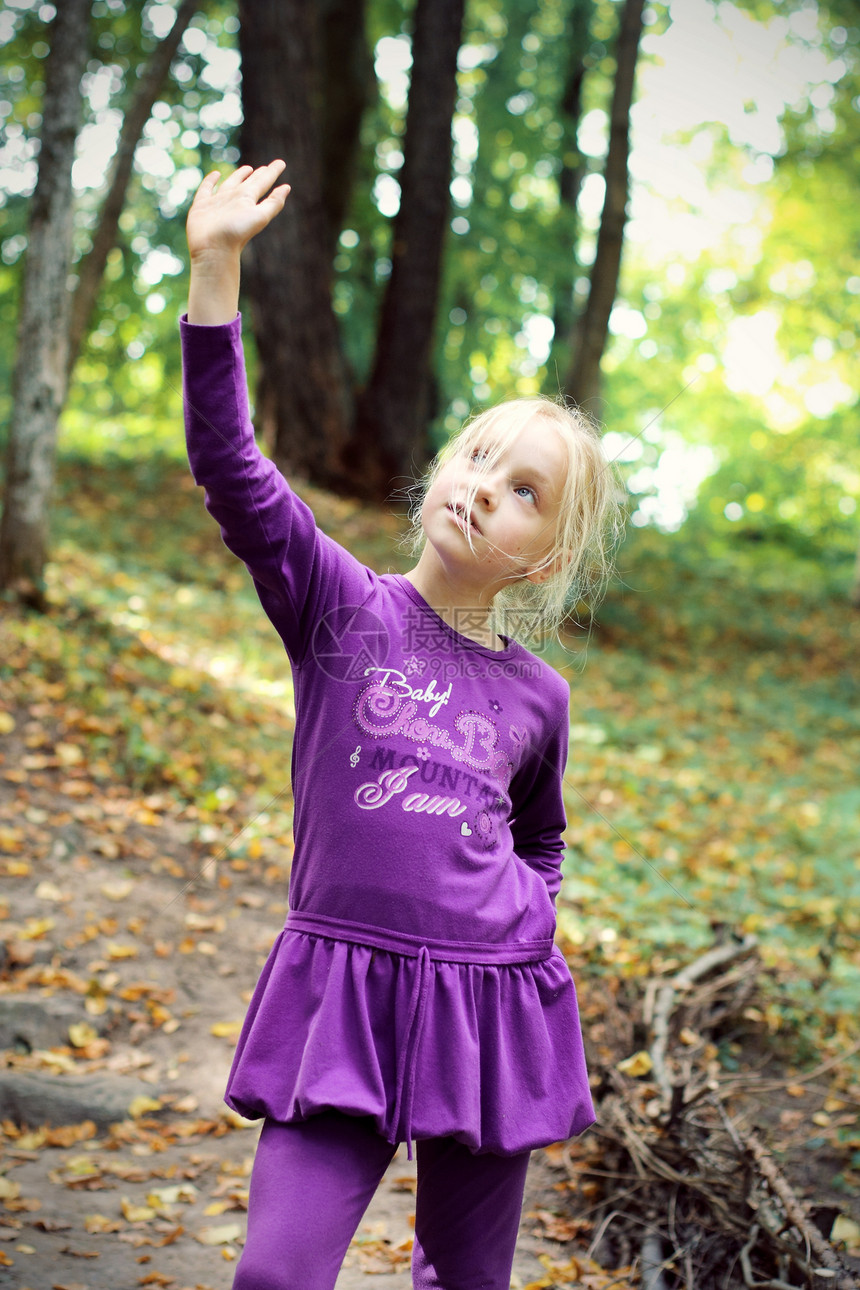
(728,396)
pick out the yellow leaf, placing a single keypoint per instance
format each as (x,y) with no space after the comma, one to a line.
(101,1223)
(225,1029)
(81,1033)
(221,1235)
(140,1105)
(172,1195)
(115,951)
(18,868)
(689,1037)
(136,1213)
(82,1166)
(50,891)
(36,928)
(117,890)
(821,1118)
(69,754)
(216,1207)
(845,1229)
(639,1064)
(9,1190)
(795,1090)
(31,1141)
(7,723)
(5,1261)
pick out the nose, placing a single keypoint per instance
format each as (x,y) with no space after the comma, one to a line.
(488,487)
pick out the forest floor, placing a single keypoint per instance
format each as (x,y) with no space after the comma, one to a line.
(155,967)
(145,839)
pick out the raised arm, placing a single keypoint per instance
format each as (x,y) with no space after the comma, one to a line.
(299,572)
(221,222)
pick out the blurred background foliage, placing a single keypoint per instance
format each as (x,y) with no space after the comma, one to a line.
(729,395)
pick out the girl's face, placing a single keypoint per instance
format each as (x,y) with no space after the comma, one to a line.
(512,522)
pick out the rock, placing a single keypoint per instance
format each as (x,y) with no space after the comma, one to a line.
(31,1098)
(29,1021)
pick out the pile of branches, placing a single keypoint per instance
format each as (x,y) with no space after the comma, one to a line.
(689,1190)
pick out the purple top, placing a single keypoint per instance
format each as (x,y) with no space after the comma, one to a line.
(428,816)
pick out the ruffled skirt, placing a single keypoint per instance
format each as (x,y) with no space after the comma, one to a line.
(488,1053)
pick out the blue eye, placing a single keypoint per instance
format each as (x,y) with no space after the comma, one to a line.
(524,488)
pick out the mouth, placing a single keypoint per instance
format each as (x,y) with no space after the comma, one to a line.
(460,513)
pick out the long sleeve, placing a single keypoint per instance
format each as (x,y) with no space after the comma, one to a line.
(539,818)
(298,571)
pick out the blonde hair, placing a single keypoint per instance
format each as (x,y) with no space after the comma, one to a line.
(590,520)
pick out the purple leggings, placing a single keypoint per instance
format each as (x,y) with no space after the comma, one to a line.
(312,1182)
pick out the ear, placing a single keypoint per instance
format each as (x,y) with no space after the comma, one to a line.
(545,571)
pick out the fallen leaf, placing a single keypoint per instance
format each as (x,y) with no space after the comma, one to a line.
(101,1223)
(50,891)
(141,1104)
(221,1235)
(81,1033)
(136,1213)
(32,1141)
(845,1229)
(226,1029)
(36,928)
(68,1134)
(117,890)
(639,1064)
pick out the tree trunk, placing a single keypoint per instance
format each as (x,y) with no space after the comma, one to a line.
(39,380)
(303,403)
(347,82)
(589,340)
(392,412)
(92,266)
(572,166)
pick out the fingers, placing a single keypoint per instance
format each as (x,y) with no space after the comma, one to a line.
(276,198)
(260,180)
(235,178)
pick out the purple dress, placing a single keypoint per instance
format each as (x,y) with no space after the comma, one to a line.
(416,980)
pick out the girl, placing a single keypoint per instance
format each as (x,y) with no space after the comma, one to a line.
(415,992)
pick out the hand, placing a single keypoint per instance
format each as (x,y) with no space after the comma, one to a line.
(225,216)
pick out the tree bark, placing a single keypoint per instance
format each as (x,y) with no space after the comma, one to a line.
(572,166)
(347,83)
(303,403)
(589,340)
(39,380)
(392,412)
(92,266)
